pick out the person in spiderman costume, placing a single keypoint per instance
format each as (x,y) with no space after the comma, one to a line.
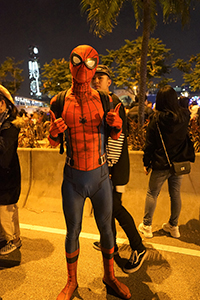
(86,174)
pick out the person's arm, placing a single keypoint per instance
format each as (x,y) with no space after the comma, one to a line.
(113,119)
(57,126)
(122,114)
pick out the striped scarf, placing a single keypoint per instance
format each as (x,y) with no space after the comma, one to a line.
(114,149)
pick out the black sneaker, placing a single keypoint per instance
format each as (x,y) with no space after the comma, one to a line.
(135,261)
(97,246)
(10,247)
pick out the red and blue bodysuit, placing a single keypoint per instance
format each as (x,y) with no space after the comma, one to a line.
(86,172)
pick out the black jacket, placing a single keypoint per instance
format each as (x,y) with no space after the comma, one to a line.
(175,135)
(120,171)
(10,176)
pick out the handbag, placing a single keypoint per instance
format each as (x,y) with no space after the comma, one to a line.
(176,168)
(180,168)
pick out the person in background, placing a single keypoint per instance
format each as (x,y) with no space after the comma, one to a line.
(147,109)
(118,162)
(173,121)
(194,107)
(149,104)
(10,176)
(133,113)
(184,101)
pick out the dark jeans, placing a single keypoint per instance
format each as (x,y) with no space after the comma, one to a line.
(126,222)
(156,181)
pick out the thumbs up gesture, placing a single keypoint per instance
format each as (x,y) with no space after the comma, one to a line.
(113,119)
(57,125)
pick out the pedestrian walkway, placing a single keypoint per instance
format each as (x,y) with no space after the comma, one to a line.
(170,272)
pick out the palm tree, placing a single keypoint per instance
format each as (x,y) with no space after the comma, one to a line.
(10,75)
(102,15)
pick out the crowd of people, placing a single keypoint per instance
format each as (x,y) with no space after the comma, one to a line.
(35,126)
(97,163)
(34,130)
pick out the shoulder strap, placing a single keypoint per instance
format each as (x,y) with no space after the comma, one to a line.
(57,108)
(163,144)
(106,101)
(107,104)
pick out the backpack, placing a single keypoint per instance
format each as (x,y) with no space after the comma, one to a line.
(57,108)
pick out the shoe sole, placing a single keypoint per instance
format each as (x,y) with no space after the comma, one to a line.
(97,248)
(128,271)
(120,296)
(8,252)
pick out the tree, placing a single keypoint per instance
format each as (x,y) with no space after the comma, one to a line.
(10,75)
(125,63)
(102,15)
(57,76)
(191,71)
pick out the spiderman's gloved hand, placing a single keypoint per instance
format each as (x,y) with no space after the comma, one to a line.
(57,125)
(113,119)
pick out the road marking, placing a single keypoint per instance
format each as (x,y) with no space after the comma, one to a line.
(91,236)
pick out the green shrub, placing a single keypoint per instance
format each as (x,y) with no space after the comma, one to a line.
(194,132)
(137,136)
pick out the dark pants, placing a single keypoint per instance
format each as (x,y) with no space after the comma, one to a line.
(126,222)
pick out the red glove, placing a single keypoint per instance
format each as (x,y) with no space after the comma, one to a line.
(57,125)
(113,119)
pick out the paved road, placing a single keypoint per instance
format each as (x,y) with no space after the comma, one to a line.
(170,272)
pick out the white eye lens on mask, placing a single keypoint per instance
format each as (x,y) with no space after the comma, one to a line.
(76,59)
(91,63)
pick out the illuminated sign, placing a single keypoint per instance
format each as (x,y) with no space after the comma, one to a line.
(34,78)
(34,72)
(29,102)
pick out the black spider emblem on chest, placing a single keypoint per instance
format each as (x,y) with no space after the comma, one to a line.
(83,120)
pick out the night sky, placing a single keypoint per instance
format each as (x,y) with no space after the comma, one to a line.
(57,26)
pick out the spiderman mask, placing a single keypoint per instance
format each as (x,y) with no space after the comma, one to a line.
(83,63)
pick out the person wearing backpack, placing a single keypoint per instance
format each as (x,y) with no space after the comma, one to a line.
(87,123)
(119,168)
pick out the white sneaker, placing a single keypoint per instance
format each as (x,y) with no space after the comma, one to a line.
(146,230)
(173,230)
